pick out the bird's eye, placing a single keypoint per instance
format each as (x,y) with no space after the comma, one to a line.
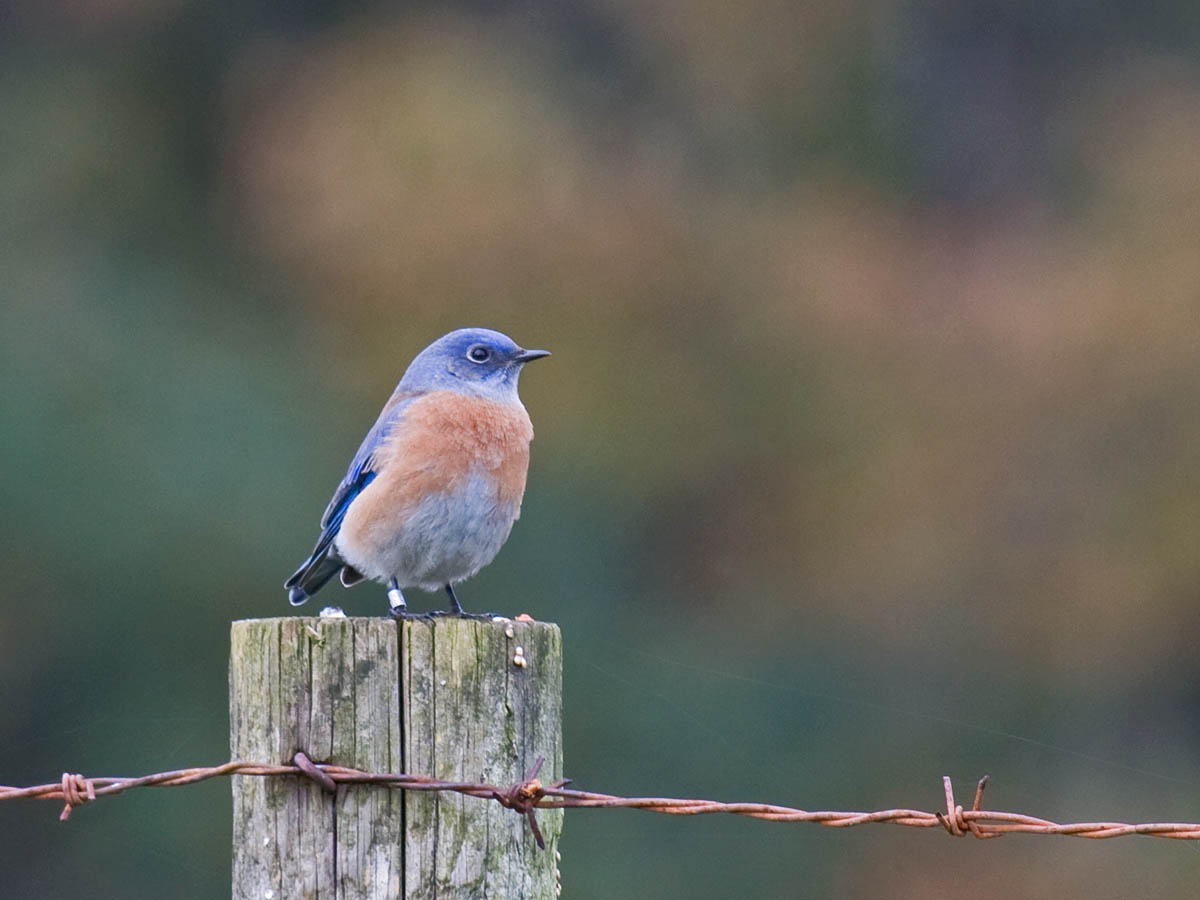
(479,354)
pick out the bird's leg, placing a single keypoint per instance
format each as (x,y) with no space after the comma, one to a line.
(455,606)
(396,605)
(457,610)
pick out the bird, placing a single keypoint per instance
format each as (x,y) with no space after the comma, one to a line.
(436,485)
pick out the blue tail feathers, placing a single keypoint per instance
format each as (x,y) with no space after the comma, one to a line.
(312,576)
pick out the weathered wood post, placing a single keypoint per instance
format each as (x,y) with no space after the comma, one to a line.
(447,697)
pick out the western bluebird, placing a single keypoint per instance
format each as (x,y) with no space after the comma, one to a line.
(434,490)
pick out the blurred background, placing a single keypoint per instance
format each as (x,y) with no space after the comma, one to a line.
(867,453)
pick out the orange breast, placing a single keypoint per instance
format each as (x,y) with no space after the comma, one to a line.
(446,437)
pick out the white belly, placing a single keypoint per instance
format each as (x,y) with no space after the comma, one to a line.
(440,540)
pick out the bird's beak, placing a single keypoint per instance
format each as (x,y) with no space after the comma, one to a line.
(529,355)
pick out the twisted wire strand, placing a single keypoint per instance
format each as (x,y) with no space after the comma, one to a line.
(524,797)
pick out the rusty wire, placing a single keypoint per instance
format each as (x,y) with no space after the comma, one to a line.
(526,796)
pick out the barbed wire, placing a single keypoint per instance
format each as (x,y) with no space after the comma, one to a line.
(529,795)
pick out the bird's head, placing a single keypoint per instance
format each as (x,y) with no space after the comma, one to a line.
(472,361)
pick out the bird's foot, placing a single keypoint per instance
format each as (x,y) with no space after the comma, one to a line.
(403,615)
(479,616)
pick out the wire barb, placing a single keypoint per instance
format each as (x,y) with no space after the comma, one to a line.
(76,791)
(309,768)
(523,797)
(954,820)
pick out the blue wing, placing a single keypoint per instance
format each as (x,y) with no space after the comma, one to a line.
(324,563)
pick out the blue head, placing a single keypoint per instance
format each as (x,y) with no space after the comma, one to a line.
(470,361)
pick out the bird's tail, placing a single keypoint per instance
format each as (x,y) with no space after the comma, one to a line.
(312,575)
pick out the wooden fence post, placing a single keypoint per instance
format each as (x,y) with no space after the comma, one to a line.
(447,697)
